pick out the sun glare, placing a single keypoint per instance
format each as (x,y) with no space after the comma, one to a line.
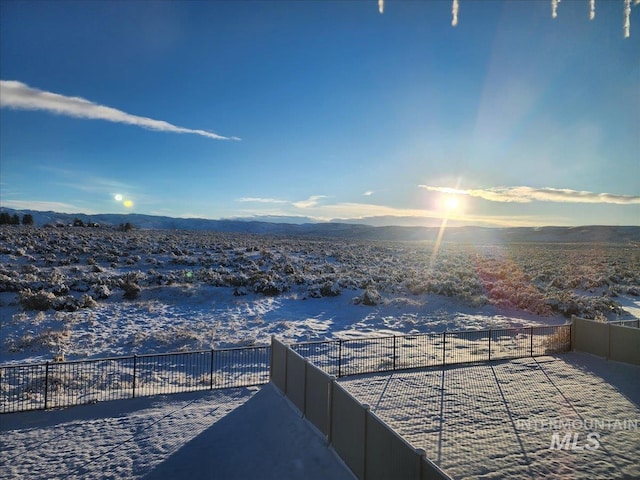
(451,202)
(117,197)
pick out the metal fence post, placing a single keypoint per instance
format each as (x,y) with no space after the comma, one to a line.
(211,370)
(394,352)
(135,361)
(339,357)
(531,342)
(46,385)
(490,344)
(444,348)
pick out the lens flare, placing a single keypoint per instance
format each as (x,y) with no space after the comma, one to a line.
(451,202)
(128,203)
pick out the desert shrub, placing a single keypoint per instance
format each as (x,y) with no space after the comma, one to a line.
(53,340)
(330,289)
(37,300)
(269,287)
(101,292)
(370,297)
(558,341)
(130,286)
(87,302)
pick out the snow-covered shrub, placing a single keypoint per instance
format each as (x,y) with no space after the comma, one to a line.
(60,289)
(130,286)
(37,300)
(239,291)
(87,301)
(370,297)
(330,289)
(269,288)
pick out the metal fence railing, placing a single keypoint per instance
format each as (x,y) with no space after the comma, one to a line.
(64,384)
(627,323)
(379,354)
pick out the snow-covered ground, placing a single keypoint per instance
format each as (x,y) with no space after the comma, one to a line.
(483,421)
(498,420)
(227,434)
(90,293)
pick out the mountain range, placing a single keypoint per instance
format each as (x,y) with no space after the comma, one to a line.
(285,226)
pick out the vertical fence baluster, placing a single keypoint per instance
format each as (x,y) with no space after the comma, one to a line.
(46,385)
(339,358)
(394,353)
(444,348)
(490,344)
(135,358)
(531,342)
(211,370)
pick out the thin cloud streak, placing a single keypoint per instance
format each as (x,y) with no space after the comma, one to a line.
(455,6)
(45,206)
(347,211)
(529,194)
(260,200)
(312,201)
(19,96)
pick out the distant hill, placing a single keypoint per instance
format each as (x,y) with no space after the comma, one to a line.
(465,234)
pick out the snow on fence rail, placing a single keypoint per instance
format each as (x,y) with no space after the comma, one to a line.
(64,384)
(378,354)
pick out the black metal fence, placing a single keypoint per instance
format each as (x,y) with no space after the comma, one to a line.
(379,354)
(64,384)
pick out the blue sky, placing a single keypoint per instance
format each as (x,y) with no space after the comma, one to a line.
(323,110)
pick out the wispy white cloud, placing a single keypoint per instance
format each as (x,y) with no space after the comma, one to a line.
(455,6)
(367,212)
(19,96)
(260,200)
(368,193)
(627,18)
(547,194)
(312,201)
(554,8)
(37,205)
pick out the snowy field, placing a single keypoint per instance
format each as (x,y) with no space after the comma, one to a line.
(95,292)
(83,293)
(498,420)
(230,434)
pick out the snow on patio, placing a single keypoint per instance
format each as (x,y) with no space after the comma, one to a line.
(501,420)
(225,434)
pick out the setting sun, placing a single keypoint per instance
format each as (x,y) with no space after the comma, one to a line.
(451,202)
